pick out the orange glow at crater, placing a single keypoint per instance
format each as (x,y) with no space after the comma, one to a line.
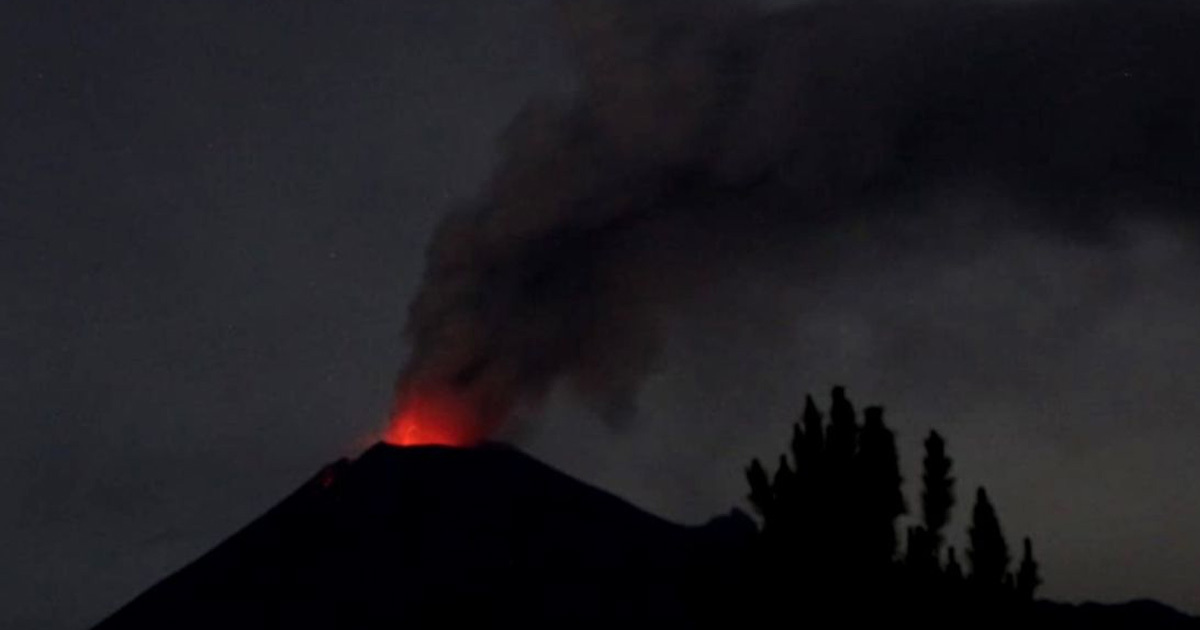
(433,418)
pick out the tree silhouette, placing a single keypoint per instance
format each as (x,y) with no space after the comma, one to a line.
(954,573)
(838,501)
(880,498)
(988,551)
(937,494)
(1028,579)
(786,499)
(829,517)
(813,495)
(814,433)
(843,431)
(762,496)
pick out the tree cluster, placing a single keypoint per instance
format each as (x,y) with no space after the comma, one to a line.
(829,515)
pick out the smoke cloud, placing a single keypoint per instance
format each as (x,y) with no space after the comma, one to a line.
(710,137)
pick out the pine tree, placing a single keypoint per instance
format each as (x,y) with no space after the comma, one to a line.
(814,495)
(937,494)
(762,497)
(917,556)
(843,429)
(953,571)
(1028,578)
(879,493)
(810,457)
(783,487)
(783,478)
(914,546)
(839,503)
(798,445)
(988,551)
(792,486)
(814,433)
(829,516)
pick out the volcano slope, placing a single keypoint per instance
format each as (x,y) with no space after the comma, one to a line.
(436,536)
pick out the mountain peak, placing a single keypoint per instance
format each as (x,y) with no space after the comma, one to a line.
(439,535)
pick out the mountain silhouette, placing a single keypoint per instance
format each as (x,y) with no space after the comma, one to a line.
(1142,614)
(435,536)
(441,537)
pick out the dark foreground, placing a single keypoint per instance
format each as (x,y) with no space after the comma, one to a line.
(437,537)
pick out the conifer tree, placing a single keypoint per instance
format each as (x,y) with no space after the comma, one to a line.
(843,429)
(798,445)
(917,555)
(829,518)
(761,495)
(810,458)
(813,495)
(793,486)
(954,571)
(878,491)
(988,551)
(783,487)
(786,510)
(1028,579)
(783,478)
(937,494)
(814,433)
(839,505)
(914,547)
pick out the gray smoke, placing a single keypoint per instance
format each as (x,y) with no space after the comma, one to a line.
(712,136)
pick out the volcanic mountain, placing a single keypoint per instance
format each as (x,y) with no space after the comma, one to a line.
(438,536)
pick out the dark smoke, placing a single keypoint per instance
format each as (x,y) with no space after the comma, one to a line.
(709,136)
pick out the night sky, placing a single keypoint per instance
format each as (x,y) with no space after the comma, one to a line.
(214,215)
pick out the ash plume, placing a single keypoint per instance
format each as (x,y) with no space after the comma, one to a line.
(710,136)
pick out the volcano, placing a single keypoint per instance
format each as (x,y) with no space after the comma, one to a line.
(436,536)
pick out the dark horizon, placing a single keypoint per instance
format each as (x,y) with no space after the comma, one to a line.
(407,534)
(214,218)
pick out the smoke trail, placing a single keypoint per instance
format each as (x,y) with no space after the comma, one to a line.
(707,134)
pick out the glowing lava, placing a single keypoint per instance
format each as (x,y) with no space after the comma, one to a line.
(434,418)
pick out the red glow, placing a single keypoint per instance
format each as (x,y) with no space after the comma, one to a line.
(328,476)
(433,418)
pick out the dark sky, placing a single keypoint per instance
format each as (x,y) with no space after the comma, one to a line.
(214,214)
